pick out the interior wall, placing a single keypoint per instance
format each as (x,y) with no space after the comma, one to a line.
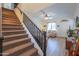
(62,27)
(33,16)
(41,23)
(34,7)
(77,10)
(20,16)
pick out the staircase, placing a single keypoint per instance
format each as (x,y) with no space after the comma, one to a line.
(16,42)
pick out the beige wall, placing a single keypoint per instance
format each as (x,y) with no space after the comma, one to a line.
(19,15)
(34,6)
(30,9)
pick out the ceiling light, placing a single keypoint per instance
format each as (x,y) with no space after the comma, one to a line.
(46,18)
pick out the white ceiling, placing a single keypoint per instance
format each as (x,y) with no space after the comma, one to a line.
(56,10)
(65,10)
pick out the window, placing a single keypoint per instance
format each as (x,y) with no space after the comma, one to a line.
(51,26)
(8,5)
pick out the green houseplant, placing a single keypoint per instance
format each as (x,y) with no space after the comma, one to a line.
(71,33)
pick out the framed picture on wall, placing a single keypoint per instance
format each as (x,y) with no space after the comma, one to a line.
(77,21)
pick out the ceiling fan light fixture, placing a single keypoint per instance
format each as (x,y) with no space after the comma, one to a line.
(46,18)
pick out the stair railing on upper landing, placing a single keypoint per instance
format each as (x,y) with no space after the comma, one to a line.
(38,35)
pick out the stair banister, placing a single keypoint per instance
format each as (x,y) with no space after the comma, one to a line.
(38,35)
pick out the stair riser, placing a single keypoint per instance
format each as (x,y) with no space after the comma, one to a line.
(15,38)
(34,54)
(5,14)
(12,21)
(21,51)
(11,25)
(6,11)
(7,18)
(12,29)
(11,33)
(7,22)
(15,44)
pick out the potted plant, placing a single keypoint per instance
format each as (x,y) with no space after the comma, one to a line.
(70,33)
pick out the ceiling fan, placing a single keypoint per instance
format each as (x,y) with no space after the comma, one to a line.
(46,16)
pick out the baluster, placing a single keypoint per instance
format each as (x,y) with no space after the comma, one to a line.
(36,33)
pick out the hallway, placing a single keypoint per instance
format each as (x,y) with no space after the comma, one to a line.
(55,47)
